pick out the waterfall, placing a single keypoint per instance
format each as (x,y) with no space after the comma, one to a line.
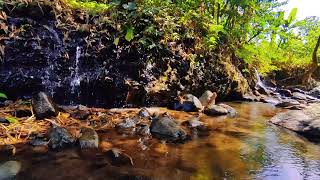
(76,78)
(259,82)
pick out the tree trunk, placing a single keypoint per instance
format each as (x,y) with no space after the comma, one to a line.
(314,65)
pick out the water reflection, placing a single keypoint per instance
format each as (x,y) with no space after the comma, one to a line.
(245,147)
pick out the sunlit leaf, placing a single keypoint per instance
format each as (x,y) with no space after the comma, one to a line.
(129,36)
(3,96)
(12,119)
(116,41)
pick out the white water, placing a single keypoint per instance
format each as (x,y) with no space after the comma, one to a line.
(76,78)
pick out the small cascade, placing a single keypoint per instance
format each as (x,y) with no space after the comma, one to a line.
(259,82)
(75,75)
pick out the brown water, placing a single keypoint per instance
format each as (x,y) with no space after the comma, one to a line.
(245,147)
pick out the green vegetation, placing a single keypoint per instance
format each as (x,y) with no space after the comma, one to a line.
(256,30)
(4,96)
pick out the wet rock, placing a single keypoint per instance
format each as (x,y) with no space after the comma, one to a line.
(9,170)
(144,113)
(188,103)
(118,158)
(207,98)
(298,90)
(306,122)
(215,110)
(269,100)
(166,127)
(89,138)
(7,150)
(193,122)
(288,103)
(60,138)
(23,113)
(285,92)
(231,111)
(43,106)
(80,114)
(249,97)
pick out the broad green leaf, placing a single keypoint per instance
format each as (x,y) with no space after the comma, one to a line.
(116,2)
(116,41)
(129,36)
(12,119)
(2,95)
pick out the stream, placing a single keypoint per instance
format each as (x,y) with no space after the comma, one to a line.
(244,147)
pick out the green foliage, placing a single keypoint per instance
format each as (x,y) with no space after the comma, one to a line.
(4,96)
(12,119)
(88,5)
(129,35)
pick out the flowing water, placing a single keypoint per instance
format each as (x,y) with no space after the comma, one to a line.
(244,147)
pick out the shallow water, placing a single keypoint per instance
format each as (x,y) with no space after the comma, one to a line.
(245,147)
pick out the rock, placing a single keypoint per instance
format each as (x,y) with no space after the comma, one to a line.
(23,113)
(89,138)
(188,103)
(215,110)
(144,113)
(8,102)
(43,106)
(4,120)
(7,150)
(288,103)
(249,97)
(60,138)
(299,96)
(269,100)
(298,90)
(40,149)
(285,92)
(305,122)
(118,158)
(127,123)
(166,127)
(38,142)
(143,130)
(207,98)
(80,114)
(231,111)
(193,122)
(315,92)
(9,169)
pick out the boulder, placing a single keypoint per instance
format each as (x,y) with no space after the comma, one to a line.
(207,98)
(9,169)
(215,110)
(127,123)
(89,138)
(305,122)
(188,103)
(43,106)
(60,138)
(299,96)
(288,103)
(143,130)
(166,127)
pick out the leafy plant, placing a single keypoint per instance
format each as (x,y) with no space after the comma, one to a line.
(4,96)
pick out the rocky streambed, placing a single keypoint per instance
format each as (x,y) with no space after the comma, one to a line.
(202,139)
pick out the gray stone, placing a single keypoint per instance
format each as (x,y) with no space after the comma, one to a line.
(231,111)
(9,169)
(80,114)
(43,106)
(89,138)
(215,110)
(166,127)
(207,98)
(188,103)
(60,138)
(306,121)
(144,113)
(193,122)
(127,123)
